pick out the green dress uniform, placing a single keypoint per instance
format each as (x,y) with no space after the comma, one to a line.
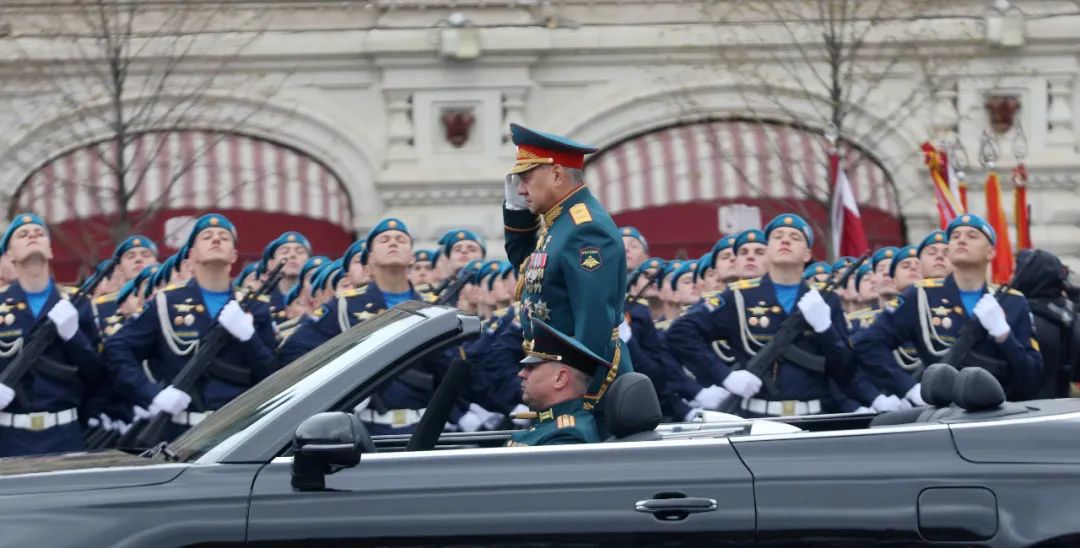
(571,261)
(568,421)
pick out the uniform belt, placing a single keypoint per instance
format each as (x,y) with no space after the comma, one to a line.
(189,418)
(393,417)
(36,422)
(785,408)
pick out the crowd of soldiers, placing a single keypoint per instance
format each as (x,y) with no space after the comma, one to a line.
(576,291)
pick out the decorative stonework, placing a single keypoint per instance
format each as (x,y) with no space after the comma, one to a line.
(424,194)
(1059,118)
(457,125)
(399,126)
(1002,111)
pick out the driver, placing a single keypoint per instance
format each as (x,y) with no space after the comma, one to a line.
(555,376)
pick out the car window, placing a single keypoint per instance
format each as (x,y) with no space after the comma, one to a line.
(271,396)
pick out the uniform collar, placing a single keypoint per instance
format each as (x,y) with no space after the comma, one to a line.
(567,407)
(577,195)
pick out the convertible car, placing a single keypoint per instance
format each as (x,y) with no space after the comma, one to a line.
(287,464)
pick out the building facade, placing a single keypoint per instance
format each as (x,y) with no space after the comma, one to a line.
(352,111)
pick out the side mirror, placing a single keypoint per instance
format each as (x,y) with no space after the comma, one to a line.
(324,444)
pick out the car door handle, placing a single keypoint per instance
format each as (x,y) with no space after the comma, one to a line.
(676,506)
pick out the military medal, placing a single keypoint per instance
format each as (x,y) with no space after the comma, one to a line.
(946,322)
(754,321)
(936,321)
(189,320)
(775,309)
(764,322)
(199,308)
(21,306)
(9,318)
(179,320)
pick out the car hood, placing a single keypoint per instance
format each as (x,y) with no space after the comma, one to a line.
(81,472)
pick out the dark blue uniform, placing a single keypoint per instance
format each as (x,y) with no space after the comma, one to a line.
(166,332)
(495,358)
(747,315)
(931,313)
(392,402)
(52,394)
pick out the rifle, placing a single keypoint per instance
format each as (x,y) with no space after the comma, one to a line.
(451,287)
(781,343)
(962,349)
(41,336)
(149,432)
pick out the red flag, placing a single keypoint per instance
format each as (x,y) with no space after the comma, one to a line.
(947,203)
(1002,266)
(1020,208)
(849,238)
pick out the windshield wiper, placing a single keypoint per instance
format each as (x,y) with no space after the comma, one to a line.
(161,449)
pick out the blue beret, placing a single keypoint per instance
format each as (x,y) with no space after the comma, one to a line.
(424,256)
(842,263)
(486,270)
(470,269)
(132,285)
(313,263)
(814,269)
(906,252)
(935,237)
(651,262)
(631,232)
(290,237)
(703,265)
(138,240)
(125,291)
(861,273)
(791,220)
(884,254)
(249,269)
(752,236)
(461,235)
(974,221)
(669,268)
(725,242)
(327,275)
(356,248)
(292,294)
(210,220)
(384,225)
(505,268)
(687,267)
(164,272)
(18,221)
(147,280)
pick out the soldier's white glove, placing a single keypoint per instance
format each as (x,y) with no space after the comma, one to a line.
(470,422)
(915,395)
(93,422)
(514,201)
(711,397)
(66,319)
(362,405)
(171,400)
(119,426)
(694,414)
(6,395)
(904,404)
(742,383)
(106,422)
(865,411)
(521,408)
(238,323)
(488,420)
(816,311)
(624,331)
(140,413)
(991,316)
(884,403)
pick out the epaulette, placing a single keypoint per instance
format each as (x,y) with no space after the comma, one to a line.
(662,326)
(580,214)
(746,284)
(69,289)
(930,282)
(264,298)
(105,298)
(993,288)
(172,287)
(1016,292)
(892,304)
(318,312)
(862,313)
(565,421)
(820,286)
(429,297)
(353,292)
(500,312)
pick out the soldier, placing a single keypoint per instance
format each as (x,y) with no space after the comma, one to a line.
(170,327)
(933,255)
(906,269)
(642,286)
(555,377)
(637,249)
(44,416)
(750,312)
(420,273)
(883,284)
(672,309)
(133,255)
(247,279)
(818,273)
(723,260)
(574,261)
(462,248)
(293,248)
(683,290)
(933,312)
(751,261)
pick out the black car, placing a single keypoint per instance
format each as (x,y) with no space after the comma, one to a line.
(286,464)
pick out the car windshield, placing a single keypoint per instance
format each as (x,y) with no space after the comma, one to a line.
(275,394)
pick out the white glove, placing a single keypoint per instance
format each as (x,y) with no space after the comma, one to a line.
(711,397)
(470,422)
(883,403)
(92,422)
(171,400)
(624,331)
(6,395)
(865,410)
(904,404)
(106,422)
(237,322)
(119,426)
(514,201)
(915,395)
(816,311)
(362,405)
(693,415)
(140,413)
(991,316)
(66,318)
(521,408)
(742,383)
(488,419)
